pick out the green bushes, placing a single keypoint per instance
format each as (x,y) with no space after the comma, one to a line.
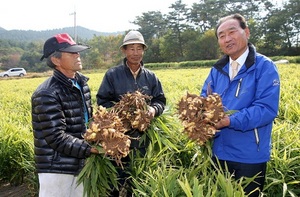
(201,64)
(291,59)
(188,64)
(161,65)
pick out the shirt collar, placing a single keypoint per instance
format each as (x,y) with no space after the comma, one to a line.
(134,73)
(242,59)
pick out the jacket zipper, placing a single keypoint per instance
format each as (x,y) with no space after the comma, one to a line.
(237,92)
(256,138)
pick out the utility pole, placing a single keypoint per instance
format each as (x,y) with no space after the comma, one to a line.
(75,27)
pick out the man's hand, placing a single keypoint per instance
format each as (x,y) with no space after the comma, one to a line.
(224,122)
(94,150)
(151,111)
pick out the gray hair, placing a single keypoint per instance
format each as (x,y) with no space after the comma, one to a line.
(238,17)
(49,62)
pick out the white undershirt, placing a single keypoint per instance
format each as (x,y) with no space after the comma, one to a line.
(241,60)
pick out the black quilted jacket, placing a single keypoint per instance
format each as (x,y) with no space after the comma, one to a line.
(58,124)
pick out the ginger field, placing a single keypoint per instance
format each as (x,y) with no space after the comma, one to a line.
(283,173)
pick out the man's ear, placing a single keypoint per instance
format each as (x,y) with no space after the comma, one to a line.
(55,61)
(123,50)
(247,31)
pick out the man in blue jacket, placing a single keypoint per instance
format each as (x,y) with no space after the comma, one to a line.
(244,141)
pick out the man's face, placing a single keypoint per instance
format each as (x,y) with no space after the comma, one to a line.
(69,63)
(232,38)
(134,53)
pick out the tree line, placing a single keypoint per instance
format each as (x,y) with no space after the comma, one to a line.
(183,34)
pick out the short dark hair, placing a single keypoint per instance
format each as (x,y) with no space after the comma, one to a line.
(49,62)
(239,17)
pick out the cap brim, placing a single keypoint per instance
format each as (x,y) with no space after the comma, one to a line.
(74,48)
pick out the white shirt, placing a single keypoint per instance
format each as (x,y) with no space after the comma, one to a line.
(241,60)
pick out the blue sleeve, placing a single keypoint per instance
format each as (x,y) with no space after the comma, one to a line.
(208,84)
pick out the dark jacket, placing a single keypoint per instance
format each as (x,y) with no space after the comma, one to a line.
(58,124)
(254,96)
(119,81)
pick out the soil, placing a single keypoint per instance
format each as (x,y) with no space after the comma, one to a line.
(7,190)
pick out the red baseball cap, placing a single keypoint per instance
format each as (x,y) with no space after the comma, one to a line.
(61,42)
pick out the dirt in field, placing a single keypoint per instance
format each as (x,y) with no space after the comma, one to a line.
(6,190)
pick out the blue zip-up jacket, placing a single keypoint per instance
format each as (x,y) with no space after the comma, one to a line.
(254,96)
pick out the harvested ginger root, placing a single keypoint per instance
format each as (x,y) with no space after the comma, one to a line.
(199,115)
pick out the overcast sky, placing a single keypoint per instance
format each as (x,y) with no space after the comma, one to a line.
(99,15)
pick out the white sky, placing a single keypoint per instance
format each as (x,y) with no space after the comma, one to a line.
(99,15)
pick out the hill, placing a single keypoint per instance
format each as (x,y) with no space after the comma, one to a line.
(31,35)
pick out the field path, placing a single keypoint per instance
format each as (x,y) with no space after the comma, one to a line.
(6,190)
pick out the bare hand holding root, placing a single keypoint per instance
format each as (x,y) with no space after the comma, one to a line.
(151,111)
(224,122)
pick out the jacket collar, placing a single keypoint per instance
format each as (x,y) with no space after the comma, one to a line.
(125,60)
(127,68)
(81,79)
(250,60)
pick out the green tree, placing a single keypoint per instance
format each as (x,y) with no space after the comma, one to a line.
(191,45)
(10,53)
(153,27)
(30,59)
(209,48)
(104,51)
(281,29)
(291,27)
(206,13)
(177,23)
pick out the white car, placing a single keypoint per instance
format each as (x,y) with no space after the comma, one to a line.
(14,72)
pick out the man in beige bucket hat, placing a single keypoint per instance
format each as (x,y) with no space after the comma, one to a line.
(130,76)
(134,37)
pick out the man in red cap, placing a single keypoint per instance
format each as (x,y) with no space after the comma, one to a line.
(61,108)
